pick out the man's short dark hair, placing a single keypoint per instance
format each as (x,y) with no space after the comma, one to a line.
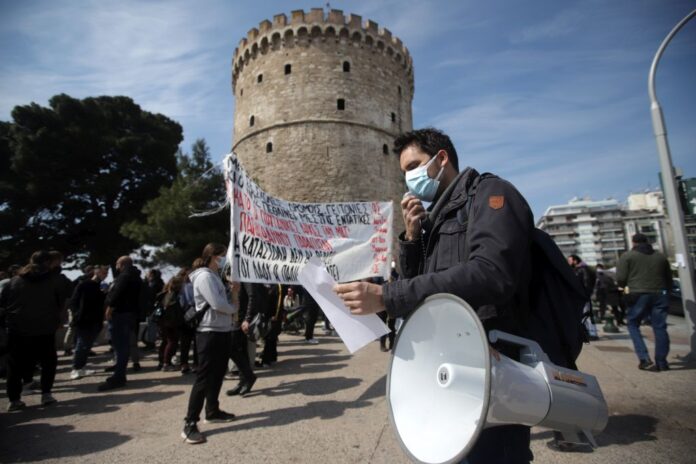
(430,140)
(639,238)
(575,258)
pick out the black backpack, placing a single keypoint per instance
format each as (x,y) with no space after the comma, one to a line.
(556,298)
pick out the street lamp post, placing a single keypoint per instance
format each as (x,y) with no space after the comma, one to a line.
(684,262)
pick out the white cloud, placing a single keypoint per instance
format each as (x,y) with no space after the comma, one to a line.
(161,54)
(562,24)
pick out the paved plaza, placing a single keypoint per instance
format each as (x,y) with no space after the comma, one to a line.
(319,404)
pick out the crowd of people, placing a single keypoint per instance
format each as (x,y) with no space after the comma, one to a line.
(473,241)
(237,334)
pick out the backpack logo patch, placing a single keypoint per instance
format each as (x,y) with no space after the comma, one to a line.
(496,201)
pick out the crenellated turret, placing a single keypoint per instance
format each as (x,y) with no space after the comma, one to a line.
(316,25)
(319,98)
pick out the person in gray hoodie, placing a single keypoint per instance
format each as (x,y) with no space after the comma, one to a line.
(213,340)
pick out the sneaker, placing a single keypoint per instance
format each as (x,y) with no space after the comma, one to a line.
(47,399)
(313,341)
(16,406)
(31,387)
(219,416)
(110,384)
(136,367)
(235,391)
(246,388)
(645,364)
(185,369)
(191,435)
(79,373)
(658,368)
(169,368)
(566,447)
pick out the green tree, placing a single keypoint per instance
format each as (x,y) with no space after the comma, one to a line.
(73,173)
(199,186)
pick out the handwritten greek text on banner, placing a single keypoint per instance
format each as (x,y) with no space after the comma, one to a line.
(271,239)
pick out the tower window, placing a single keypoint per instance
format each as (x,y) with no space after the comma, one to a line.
(341,104)
(385,149)
(346,66)
(288,69)
(393,116)
(251,121)
(269,147)
(241,92)
(399,90)
(259,78)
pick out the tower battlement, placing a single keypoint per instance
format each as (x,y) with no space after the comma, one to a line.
(317,26)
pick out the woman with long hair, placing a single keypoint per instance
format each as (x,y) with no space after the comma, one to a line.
(212,340)
(170,321)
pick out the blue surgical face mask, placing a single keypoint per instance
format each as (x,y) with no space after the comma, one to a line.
(422,185)
(221,262)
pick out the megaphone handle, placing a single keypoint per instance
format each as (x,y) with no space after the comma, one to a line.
(531,351)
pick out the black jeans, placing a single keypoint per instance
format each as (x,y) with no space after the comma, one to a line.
(311,316)
(270,347)
(504,444)
(213,353)
(240,355)
(23,354)
(188,335)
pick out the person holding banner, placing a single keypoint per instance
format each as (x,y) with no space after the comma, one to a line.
(473,241)
(213,340)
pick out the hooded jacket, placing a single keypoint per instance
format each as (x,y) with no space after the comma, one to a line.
(33,302)
(208,288)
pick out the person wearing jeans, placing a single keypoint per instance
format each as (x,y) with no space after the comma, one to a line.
(647,276)
(122,313)
(656,306)
(213,339)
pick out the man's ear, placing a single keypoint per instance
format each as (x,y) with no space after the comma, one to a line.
(444,159)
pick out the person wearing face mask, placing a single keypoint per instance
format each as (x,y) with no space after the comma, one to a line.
(213,340)
(473,241)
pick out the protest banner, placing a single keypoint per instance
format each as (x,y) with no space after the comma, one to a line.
(271,238)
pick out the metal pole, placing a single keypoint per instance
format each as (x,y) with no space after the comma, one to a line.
(684,262)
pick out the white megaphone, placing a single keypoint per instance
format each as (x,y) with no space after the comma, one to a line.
(444,386)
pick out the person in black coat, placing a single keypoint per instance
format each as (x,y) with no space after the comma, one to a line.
(87,303)
(122,308)
(32,303)
(253,298)
(473,241)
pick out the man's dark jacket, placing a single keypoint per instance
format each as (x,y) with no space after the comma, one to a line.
(124,294)
(33,301)
(479,252)
(87,303)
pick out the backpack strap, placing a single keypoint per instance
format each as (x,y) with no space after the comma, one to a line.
(471,192)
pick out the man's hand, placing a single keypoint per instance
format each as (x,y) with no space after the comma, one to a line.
(361,297)
(413,212)
(245,327)
(107,314)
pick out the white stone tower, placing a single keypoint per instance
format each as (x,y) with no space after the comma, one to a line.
(319,100)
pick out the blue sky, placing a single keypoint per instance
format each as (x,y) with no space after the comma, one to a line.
(550,95)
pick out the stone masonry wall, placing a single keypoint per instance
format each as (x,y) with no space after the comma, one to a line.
(289,75)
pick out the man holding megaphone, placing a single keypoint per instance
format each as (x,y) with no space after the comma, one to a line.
(473,241)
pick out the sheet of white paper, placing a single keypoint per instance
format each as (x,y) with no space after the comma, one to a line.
(355,331)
